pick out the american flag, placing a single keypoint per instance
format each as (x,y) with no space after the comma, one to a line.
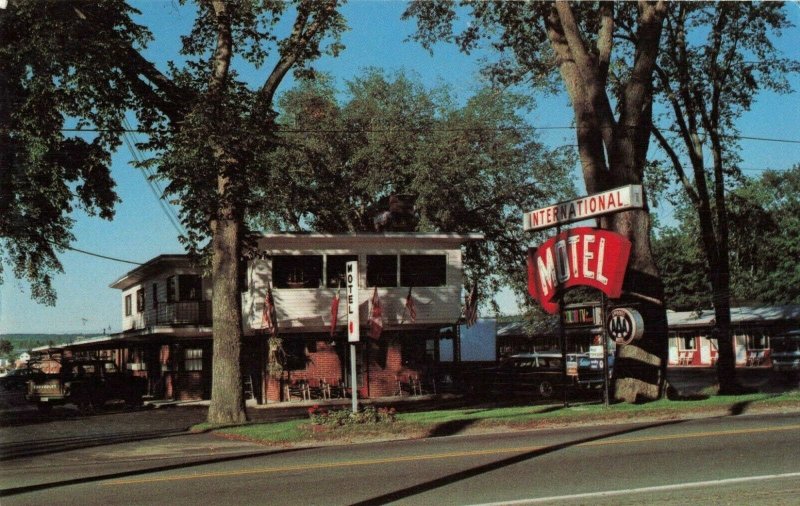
(375,316)
(471,306)
(335,311)
(268,317)
(410,308)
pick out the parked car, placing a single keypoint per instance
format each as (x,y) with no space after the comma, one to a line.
(540,374)
(88,383)
(15,380)
(786,354)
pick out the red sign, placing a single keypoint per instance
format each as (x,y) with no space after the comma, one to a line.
(580,256)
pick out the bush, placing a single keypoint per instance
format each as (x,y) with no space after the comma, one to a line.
(344,417)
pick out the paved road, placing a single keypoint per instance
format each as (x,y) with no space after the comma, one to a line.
(758,457)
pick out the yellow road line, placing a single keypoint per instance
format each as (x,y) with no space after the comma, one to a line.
(447,455)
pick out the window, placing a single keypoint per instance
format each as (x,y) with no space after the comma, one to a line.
(757,340)
(171,289)
(193,359)
(190,287)
(423,270)
(382,270)
(297,271)
(140,300)
(128,305)
(688,342)
(334,271)
(155,295)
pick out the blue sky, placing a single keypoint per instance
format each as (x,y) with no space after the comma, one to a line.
(141,230)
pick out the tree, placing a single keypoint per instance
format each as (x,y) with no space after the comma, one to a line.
(206,124)
(706,84)
(764,219)
(470,168)
(613,119)
(46,75)
(765,238)
(6,348)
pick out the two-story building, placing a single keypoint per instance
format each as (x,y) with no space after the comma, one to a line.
(166,314)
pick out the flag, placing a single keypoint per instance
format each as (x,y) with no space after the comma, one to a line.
(268,317)
(410,308)
(375,316)
(335,310)
(471,306)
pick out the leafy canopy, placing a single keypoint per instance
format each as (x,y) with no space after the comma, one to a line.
(474,167)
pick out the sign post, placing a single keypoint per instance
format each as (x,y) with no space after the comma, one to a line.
(584,256)
(353,335)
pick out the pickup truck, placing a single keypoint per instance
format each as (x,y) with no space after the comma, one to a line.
(89,384)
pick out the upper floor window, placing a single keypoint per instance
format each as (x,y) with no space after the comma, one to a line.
(190,287)
(297,271)
(140,300)
(335,269)
(128,305)
(171,289)
(423,270)
(155,295)
(382,270)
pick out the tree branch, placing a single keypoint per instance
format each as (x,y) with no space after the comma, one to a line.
(676,163)
(605,39)
(169,99)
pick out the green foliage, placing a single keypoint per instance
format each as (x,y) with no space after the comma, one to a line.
(765,238)
(470,168)
(764,219)
(51,78)
(683,268)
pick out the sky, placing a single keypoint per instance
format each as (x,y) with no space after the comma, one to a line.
(141,230)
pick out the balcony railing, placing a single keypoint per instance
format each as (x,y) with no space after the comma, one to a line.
(175,313)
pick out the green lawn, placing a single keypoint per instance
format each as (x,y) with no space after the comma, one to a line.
(454,421)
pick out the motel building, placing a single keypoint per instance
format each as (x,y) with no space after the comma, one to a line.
(167,332)
(691,343)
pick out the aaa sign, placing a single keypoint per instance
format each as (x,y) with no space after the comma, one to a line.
(580,256)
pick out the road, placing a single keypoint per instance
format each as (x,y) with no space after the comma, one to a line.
(732,459)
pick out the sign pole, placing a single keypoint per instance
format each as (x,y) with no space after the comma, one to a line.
(353,379)
(603,303)
(353,326)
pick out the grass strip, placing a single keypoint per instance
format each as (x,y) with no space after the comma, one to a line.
(486,418)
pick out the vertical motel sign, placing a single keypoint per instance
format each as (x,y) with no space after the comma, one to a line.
(351,275)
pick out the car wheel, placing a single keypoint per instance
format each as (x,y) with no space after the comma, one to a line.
(545,389)
(85,406)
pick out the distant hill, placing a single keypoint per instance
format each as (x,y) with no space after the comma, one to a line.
(23,342)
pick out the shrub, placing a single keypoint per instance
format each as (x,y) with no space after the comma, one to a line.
(344,417)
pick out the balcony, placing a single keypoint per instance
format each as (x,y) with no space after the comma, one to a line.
(174,313)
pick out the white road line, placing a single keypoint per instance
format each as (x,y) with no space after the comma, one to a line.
(660,488)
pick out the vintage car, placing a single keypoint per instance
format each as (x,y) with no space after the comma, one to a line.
(87,383)
(540,374)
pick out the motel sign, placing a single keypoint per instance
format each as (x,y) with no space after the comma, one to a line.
(590,206)
(580,256)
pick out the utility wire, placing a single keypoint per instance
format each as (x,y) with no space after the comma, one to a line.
(394,130)
(105,257)
(157,191)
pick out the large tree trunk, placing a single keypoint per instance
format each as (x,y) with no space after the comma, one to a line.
(640,368)
(613,153)
(227,399)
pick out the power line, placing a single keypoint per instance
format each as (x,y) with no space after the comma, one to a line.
(157,191)
(396,130)
(105,257)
